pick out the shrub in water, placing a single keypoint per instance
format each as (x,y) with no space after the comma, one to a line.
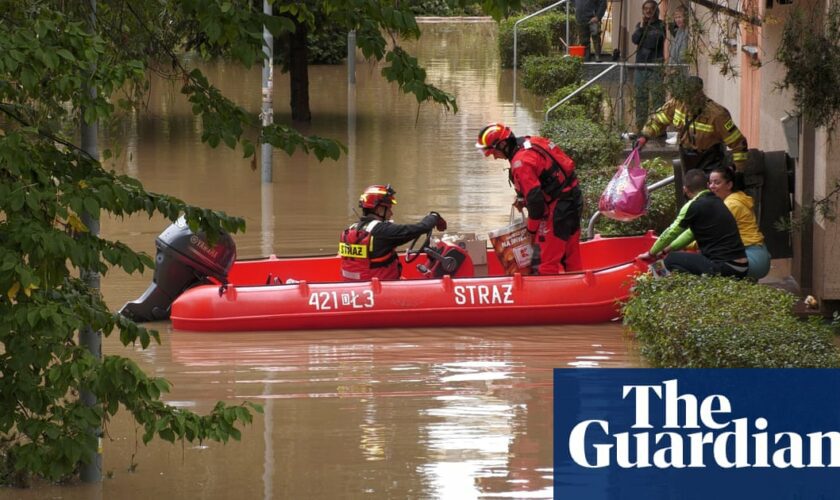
(586,104)
(544,75)
(591,145)
(533,37)
(689,321)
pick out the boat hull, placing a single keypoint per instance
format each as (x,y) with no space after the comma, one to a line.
(249,304)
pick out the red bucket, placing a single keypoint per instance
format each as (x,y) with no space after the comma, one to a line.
(577,51)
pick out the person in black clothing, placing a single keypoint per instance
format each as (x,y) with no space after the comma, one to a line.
(707,220)
(649,38)
(368,247)
(588,14)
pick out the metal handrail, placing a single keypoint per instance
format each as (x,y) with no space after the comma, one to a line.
(581,88)
(590,228)
(529,16)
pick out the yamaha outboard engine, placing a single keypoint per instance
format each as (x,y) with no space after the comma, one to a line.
(182,259)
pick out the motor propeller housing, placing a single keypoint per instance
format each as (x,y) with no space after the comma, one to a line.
(182,259)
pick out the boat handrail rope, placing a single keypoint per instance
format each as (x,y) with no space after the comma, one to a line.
(529,16)
(590,229)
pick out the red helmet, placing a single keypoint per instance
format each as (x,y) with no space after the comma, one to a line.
(376,195)
(491,135)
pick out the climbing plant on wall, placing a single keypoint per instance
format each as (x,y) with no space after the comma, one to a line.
(810,51)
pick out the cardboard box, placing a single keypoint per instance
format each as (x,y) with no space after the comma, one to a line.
(475,247)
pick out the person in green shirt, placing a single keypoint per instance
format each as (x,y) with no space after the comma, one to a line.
(704,219)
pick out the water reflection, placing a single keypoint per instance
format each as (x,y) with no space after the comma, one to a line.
(437,413)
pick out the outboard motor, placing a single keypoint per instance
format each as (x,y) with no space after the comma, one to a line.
(182,259)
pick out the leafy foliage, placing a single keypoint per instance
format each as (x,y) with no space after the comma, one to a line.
(533,38)
(380,26)
(588,103)
(812,58)
(57,70)
(328,46)
(714,322)
(593,146)
(544,75)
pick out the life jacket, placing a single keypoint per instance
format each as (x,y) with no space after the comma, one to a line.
(556,181)
(356,249)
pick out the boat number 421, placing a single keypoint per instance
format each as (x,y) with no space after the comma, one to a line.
(328,301)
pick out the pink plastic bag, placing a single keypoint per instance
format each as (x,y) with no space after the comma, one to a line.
(626,198)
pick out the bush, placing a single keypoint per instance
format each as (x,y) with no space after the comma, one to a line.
(591,145)
(327,46)
(586,104)
(430,8)
(544,75)
(692,321)
(533,37)
(557,27)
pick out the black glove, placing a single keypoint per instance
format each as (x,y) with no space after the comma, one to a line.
(640,142)
(441,224)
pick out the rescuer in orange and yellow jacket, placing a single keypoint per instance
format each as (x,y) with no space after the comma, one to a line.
(704,129)
(368,247)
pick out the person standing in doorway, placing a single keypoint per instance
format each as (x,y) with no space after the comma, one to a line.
(588,14)
(678,44)
(649,38)
(544,179)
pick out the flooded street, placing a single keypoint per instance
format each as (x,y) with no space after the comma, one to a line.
(398,413)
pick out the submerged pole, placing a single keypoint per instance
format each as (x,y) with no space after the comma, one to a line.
(90,469)
(267,113)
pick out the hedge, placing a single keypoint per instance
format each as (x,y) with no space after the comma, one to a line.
(689,321)
(544,75)
(537,36)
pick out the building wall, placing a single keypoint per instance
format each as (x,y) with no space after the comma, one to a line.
(757,106)
(775,104)
(826,263)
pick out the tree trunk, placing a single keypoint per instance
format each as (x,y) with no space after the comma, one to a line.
(299,74)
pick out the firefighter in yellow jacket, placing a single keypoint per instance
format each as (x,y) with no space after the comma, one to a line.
(704,129)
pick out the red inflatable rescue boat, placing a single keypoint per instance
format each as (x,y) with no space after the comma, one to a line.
(304,293)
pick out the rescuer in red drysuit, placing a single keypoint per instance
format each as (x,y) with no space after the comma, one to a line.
(545,182)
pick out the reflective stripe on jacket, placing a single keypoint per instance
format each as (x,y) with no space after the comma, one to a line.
(711,127)
(356,249)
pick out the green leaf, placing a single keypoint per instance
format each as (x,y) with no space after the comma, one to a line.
(91,207)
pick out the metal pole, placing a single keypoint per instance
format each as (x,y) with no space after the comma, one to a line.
(267,112)
(352,195)
(351,56)
(516,25)
(580,89)
(621,76)
(91,472)
(568,42)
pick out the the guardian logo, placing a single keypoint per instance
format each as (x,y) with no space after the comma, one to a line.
(696,434)
(710,433)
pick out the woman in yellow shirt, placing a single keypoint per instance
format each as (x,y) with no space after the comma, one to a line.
(741,205)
